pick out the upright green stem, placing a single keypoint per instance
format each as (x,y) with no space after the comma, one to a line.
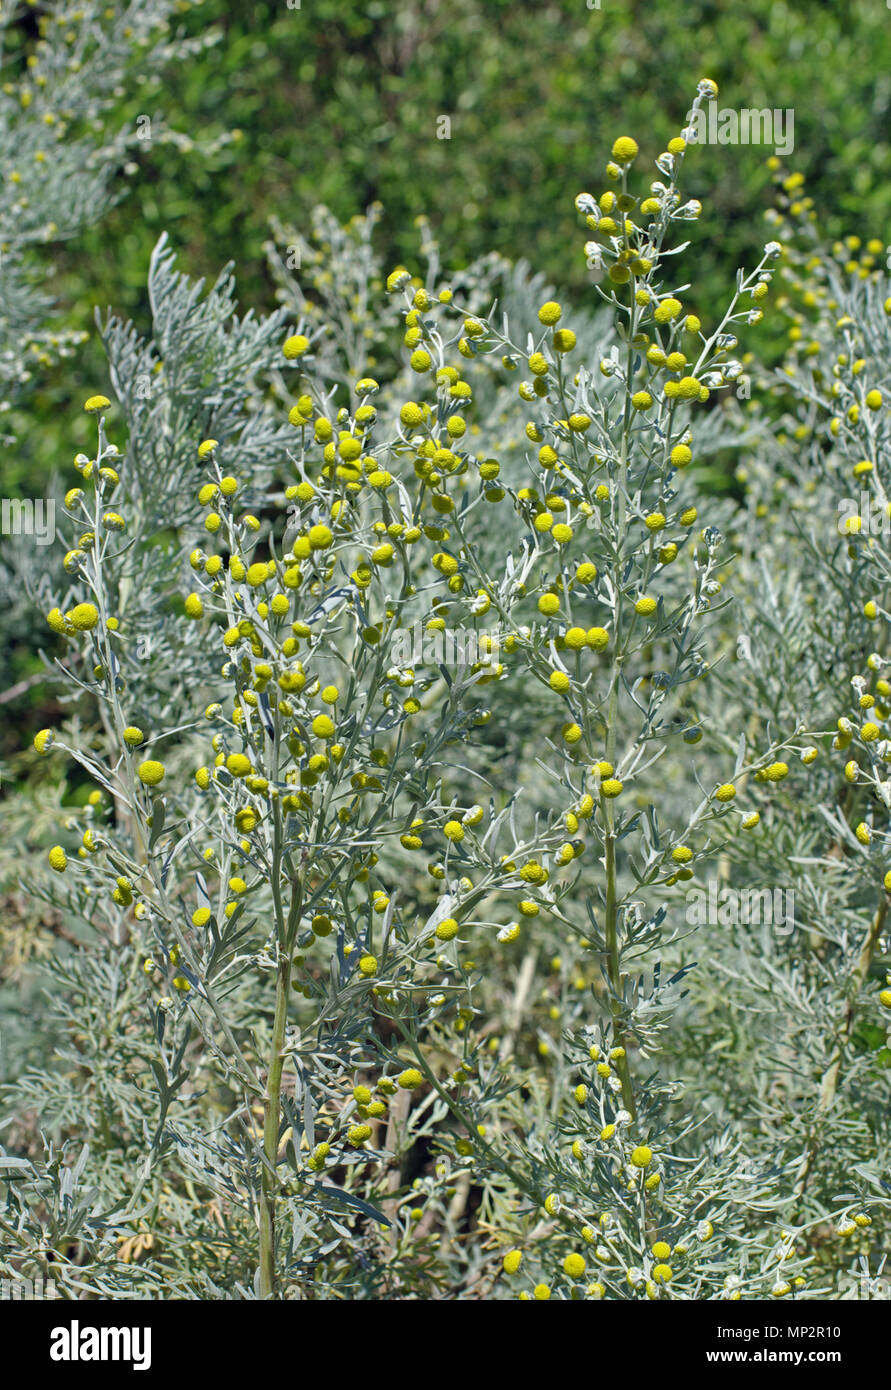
(613,967)
(613,961)
(271,1125)
(285,933)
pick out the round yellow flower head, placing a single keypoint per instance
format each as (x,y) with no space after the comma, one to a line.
(512,1261)
(410,1079)
(295,346)
(320,537)
(84,616)
(96,404)
(151,773)
(206,447)
(642,1156)
(550,313)
(574,1266)
(133,736)
(624,149)
(57,859)
(397,279)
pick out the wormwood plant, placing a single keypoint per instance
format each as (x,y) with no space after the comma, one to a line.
(380,980)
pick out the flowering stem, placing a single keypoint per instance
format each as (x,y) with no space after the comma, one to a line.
(135,815)
(613,962)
